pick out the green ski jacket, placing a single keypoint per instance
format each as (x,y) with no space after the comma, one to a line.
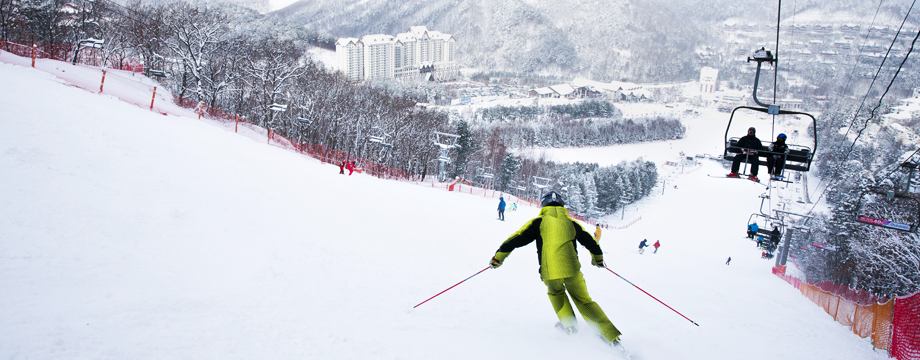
(555,233)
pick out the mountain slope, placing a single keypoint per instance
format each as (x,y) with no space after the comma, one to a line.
(128,234)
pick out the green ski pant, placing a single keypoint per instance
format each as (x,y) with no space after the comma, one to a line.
(589,309)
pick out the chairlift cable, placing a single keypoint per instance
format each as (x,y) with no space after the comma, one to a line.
(776,68)
(856,63)
(872,113)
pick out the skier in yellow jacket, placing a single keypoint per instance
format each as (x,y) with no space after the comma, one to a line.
(597,233)
(556,233)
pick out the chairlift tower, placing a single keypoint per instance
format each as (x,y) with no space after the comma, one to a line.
(486,175)
(787,237)
(539,184)
(446,142)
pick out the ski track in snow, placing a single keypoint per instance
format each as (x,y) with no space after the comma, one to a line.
(127,234)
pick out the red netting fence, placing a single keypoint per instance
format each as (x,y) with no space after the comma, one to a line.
(905,328)
(64,52)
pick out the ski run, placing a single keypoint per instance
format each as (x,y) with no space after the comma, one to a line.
(127,234)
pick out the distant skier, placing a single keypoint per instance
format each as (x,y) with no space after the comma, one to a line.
(749,145)
(752,230)
(776,162)
(351,167)
(728,261)
(555,234)
(642,245)
(657,245)
(514,207)
(342,167)
(597,233)
(501,208)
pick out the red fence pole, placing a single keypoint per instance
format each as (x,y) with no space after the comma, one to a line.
(236,128)
(103,81)
(153,97)
(34,50)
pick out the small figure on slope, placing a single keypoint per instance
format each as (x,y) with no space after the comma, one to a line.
(501,208)
(749,145)
(642,245)
(728,261)
(342,167)
(556,234)
(657,245)
(597,233)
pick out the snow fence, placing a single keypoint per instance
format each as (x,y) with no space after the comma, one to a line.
(891,324)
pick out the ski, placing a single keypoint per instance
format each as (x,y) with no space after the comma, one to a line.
(740,178)
(625,353)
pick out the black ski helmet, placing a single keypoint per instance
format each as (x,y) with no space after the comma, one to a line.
(552,198)
(752,130)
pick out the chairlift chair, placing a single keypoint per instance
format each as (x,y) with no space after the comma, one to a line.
(304,120)
(158,73)
(891,196)
(381,138)
(768,224)
(87,43)
(799,157)
(277,107)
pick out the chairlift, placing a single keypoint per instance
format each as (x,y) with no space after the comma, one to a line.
(381,138)
(892,198)
(87,43)
(158,73)
(304,120)
(277,107)
(445,141)
(767,222)
(799,157)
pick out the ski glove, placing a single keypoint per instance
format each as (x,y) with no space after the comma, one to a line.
(598,260)
(498,259)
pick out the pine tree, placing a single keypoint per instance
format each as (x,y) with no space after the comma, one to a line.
(511,166)
(590,194)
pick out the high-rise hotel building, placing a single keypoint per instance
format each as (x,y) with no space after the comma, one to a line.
(414,54)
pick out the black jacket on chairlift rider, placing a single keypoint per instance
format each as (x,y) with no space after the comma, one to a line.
(776,162)
(748,143)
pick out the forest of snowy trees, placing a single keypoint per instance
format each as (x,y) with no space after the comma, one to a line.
(233,59)
(882,261)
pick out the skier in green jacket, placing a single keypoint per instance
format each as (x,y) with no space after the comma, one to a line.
(556,233)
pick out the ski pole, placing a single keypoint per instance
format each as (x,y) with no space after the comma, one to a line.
(646,293)
(445,290)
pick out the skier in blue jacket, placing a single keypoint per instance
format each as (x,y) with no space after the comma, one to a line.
(501,208)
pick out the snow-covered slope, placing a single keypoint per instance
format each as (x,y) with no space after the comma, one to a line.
(126,234)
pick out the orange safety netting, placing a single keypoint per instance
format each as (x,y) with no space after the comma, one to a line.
(869,320)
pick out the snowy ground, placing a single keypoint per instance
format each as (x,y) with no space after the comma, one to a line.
(126,234)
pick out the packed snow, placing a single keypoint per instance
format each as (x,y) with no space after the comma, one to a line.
(128,234)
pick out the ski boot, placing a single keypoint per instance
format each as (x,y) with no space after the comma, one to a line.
(571,330)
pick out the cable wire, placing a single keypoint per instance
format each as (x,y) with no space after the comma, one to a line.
(881,98)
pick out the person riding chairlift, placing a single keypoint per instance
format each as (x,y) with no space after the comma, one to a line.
(749,145)
(776,162)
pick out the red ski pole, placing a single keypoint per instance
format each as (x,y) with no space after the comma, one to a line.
(445,290)
(656,299)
